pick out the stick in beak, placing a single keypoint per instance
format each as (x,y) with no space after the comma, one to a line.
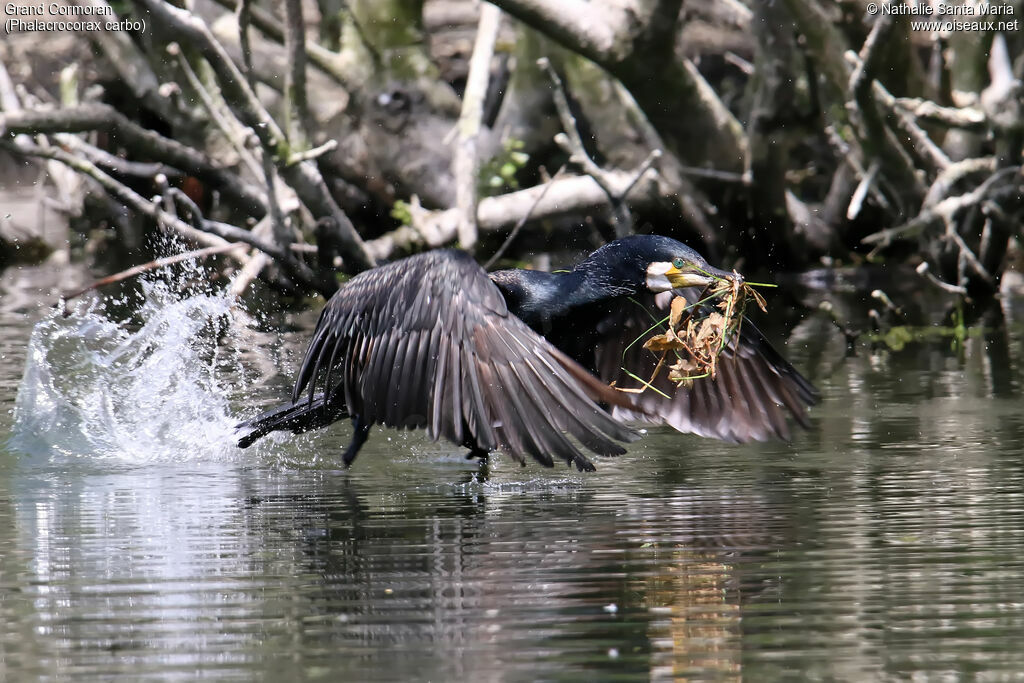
(663,276)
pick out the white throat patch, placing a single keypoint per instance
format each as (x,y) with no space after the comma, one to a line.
(657,280)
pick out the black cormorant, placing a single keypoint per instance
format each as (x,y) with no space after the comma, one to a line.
(516,359)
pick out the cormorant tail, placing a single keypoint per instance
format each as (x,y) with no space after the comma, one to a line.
(297,417)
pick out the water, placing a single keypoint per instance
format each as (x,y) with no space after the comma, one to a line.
(136,543)
(94,389)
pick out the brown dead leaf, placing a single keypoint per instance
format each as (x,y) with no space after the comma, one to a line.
(678,308)
(697,335)
(712,327)
(761,303)
(668,341)
(682,369)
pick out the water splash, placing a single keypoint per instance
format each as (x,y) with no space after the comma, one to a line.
(146,392)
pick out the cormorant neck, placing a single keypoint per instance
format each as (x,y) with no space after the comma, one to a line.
(538,298)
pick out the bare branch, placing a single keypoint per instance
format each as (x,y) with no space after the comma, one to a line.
(115,164)
(924,271)
(465,164)
(645,165)
(142,142)
(857,201)
(210,233)
(129,62)
(671,171)
(586,27)
(296,106)
(876,139)
(626,37)
(953,174)
(304,178)
(572,143)
(249,272)
(557,197)
(232,130)
(967,118)
(943,211)
(314,153)
(969,256)
(152,265)
(122,192)
(257,263)
(243,14)
(918,143)
(522,221)
(825,43)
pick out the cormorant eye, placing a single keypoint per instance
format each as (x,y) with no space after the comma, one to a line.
(679,264)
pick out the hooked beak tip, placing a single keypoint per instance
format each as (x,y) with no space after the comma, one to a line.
(730,275)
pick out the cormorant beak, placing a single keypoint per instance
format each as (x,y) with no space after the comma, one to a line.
(663,276)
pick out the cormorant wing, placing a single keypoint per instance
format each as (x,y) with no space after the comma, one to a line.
(428,342)
(749,400)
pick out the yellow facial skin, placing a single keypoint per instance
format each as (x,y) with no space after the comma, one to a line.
(663,276)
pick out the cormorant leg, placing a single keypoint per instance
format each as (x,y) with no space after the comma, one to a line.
(359,436)
(475,452)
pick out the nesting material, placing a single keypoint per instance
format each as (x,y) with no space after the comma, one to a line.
(697,333)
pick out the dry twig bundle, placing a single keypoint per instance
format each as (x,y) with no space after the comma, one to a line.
(698,332)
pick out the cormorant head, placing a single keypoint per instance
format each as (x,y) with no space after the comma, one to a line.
(658,263)
(683,272)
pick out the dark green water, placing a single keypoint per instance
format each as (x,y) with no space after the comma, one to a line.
(137,544)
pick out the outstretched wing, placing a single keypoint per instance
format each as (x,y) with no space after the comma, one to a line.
(753,396)
(428,342)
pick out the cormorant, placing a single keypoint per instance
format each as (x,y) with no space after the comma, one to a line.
(516,359)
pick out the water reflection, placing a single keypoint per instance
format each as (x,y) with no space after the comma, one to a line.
(168,569)
(886,543)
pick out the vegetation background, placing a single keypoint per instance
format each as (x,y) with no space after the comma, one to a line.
(295,140)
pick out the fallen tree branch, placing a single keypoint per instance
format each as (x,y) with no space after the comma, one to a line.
(130,62)
(303,177)
(313,153)
(151,265)
(627,37)
(925,271)
(127,196)
(968,254)
(115,164)
(944,211)
(967,118)
(141,142)
(465,164)
(917,142)
(863,187)
(233,131)
(586,27)
(568,195)
(522,221)
(248,274)
(260,260)
(693,204)
(876,138)
(211,233)
(825,43)
(558,197)
(846,153)
(572,144)
(954,173)
(279,250)
(296,108)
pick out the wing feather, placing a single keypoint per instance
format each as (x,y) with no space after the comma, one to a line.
(754,395)
(429,342)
